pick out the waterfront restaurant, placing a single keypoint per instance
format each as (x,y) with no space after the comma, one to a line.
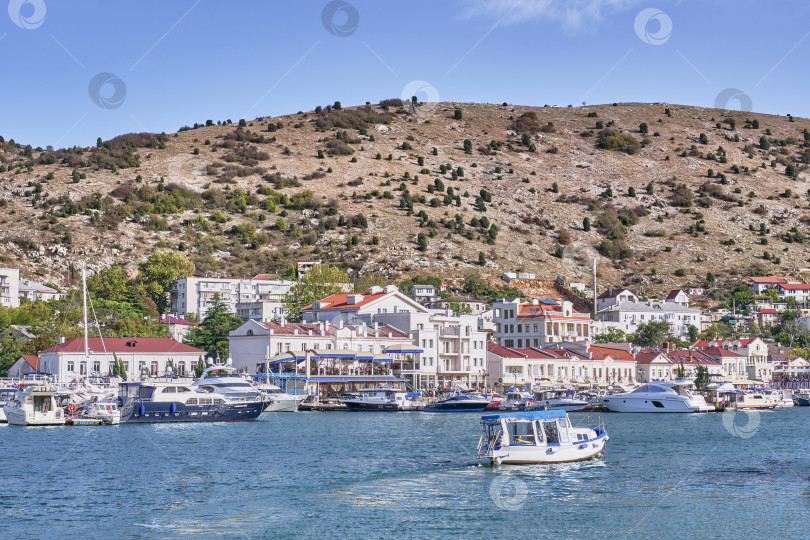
(328,373)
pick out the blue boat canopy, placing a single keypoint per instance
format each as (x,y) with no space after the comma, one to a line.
(526,415)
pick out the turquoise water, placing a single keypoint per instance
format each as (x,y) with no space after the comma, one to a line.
(405,475)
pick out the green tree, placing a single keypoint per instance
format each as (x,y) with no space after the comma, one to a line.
(693,332)
(586,224)
(651,334)
(680,371)
(482,260)
(199,367)
(157,274)
(613,335)
(468,147)
(109,284)
(702,377)
(421,241)
(643,128)
(211,335)
(319,282)
(457,114)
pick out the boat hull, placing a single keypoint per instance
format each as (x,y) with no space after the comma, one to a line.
(542,454)
(160,412)
(641,405)
(801,401)
(17,416)
(455,406)
(283,405)
(371,406)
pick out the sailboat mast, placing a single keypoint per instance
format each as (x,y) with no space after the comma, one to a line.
(84,304)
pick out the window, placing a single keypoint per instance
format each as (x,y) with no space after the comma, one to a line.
(96,366)
(82,368)
(154,369)
(181,368)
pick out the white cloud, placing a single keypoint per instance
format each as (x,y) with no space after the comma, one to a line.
(573,15)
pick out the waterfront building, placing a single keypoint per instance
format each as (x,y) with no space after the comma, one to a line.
(754,350)
(141,357)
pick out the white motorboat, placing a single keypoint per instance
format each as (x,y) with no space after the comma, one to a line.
(106,411)
(783,398)
(755,401)
(34,406)
(278,400)
(564,400)
(538,437)
(658,397)
(381,399)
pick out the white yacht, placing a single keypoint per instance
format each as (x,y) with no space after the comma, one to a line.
(658,397)
(223,379)
(279,401)
(538,437)
(756,401)
(34,406)
(564,400)
(783,398)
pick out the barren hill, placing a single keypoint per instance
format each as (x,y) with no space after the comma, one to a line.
(672,192)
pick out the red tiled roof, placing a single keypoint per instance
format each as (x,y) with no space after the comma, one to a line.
(794,286)
(647,356)
(768,310)
(171,319)
(502,351)
(768,279)
(32,360)
(340,301)
(264,276)
(600,353)
(536,311)
(125,345)
(531,352)
(304,328)
(696,357)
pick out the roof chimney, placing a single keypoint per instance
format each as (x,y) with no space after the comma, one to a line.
(340,323)
(61,338)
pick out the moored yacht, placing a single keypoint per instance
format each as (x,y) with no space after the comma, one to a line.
(34,405)
(783,398)
(658,397)
(381,399)
(564,400)
(802,398)
(6,395)
(174,402)
(223,379)
(459,403)
(538,437)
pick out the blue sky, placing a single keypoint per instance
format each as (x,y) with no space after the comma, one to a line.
(173,63)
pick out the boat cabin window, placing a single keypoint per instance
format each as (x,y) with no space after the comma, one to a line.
(183,389)
(191,401)
(169,390)
(551,432)
(521,433)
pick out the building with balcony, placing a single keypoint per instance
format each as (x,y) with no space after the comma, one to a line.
(9,287)
(757,364)
(538,323)
(196,294)
(34,290)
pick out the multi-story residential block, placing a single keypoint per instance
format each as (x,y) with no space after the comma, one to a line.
(800,292)
(9,283)
(538,323)
(454,346)
(196,294)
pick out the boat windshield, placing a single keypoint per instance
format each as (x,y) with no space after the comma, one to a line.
(651,389)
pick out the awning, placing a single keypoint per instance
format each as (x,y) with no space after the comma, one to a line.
(337,353)
(404,348)
(291,356)
(356,378)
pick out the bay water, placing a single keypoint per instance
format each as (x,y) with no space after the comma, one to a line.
(406,475)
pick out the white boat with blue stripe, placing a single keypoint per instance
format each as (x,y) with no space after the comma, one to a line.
(522,438)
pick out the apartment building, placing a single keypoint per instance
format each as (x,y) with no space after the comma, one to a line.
(9,287)
(538,323)
(196,294)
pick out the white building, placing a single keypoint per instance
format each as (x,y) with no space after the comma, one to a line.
(423,293)
(34,290)
(762,283)
(150,356)
(678,297)
(565,363)
(9,283)
(800,292)
(613,297)
(454,348)
(251,343)
(265,310)
(538,323)
(196,294)
(633,314)
(177,326)
(755,351)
